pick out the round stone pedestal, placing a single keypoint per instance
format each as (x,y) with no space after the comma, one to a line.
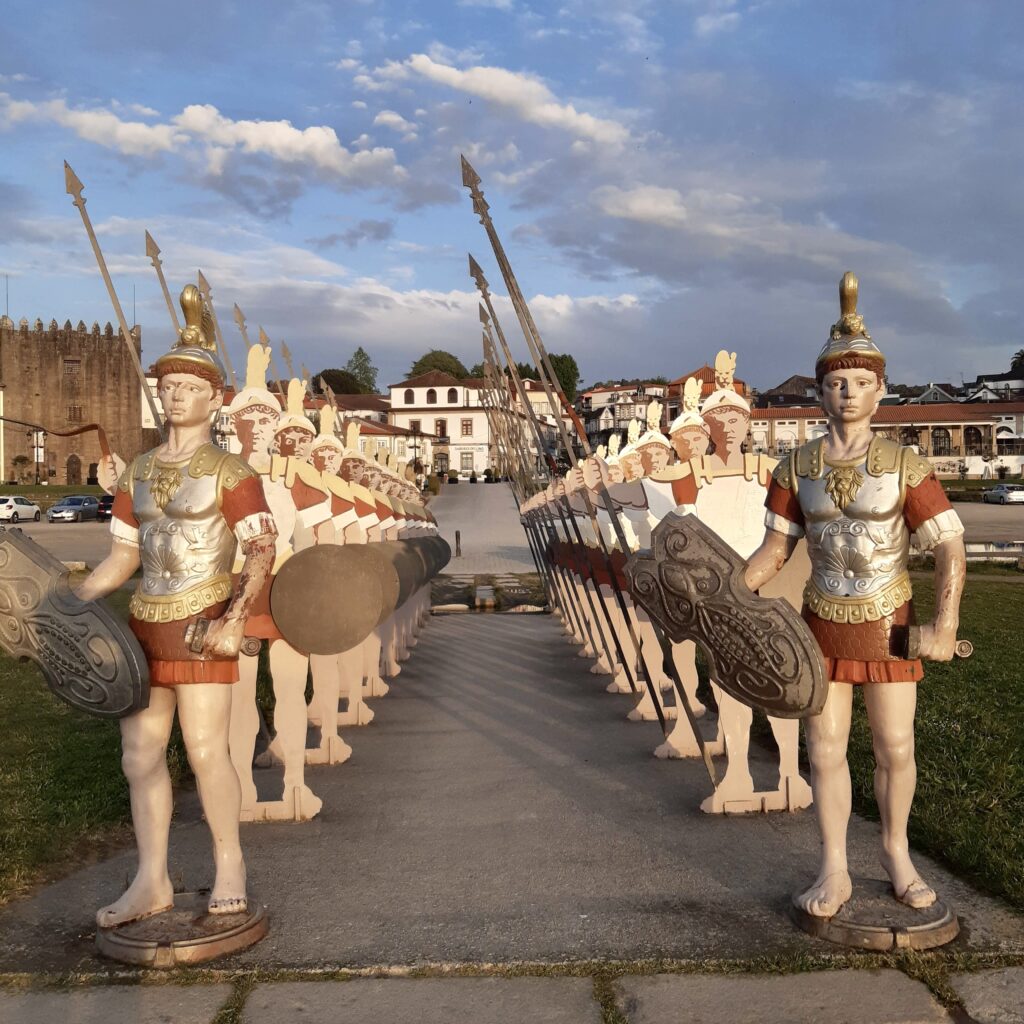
(186,934)
(874,919)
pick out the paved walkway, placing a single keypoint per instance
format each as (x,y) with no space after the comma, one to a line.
(499,810)
(486,517)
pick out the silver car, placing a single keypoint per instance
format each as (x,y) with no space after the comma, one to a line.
(15,508)
(74,509)
(1004,494)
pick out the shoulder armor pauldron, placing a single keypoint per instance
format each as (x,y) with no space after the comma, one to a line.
(914,470)
(233,470)
(782,474)
(143,466)
(206,461)
(883,456)
(809,459)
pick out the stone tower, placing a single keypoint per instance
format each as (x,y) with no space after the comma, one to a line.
(63,377)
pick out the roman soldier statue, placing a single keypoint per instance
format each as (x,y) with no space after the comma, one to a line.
(179,511)
(858,497)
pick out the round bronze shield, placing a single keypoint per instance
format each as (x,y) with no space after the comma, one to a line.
(327,598)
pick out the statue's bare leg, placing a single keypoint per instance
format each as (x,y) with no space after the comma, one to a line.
(787,737)
(288,669)
(827,737)
(204,712)
(737,784)
(891,708)
(144,736)
(245,725)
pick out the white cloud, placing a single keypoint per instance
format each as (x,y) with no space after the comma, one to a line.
(346,64)
(395,121)
(103,127)
(648,204)
(521,94)
(716,21)
(497,5)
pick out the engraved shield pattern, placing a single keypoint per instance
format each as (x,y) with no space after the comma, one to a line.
(759,650)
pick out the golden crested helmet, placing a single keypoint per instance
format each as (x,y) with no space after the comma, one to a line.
(848,338)
(255,393)
(195,351)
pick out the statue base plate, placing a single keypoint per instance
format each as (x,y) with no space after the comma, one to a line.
(874,919)
(184,935)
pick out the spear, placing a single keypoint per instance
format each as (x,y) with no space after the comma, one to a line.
(153,252)
(205,289)
(74,188)
(265,342)
(549,381)
(239,318)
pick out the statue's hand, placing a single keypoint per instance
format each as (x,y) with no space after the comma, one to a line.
(224,637)
(109,471)
(938,643)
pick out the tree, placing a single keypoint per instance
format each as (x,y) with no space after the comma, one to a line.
(363,370)
(438,359)
(1017,362)
(341,382)
(567,372)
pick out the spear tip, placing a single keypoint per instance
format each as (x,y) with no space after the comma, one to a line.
(239,316)
(204,285)
(264,340)
(71,182)
(152,249)
(470,178)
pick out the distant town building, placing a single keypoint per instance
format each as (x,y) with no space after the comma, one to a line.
(607,410)
(63,378)
(706,376)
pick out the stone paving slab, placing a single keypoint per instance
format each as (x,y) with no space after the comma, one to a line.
(137,1004)
(426,1001)
(835,997)
(992,997)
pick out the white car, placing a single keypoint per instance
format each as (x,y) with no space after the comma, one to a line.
(15,508)
(1005,494)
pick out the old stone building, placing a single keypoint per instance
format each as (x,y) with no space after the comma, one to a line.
(62,378)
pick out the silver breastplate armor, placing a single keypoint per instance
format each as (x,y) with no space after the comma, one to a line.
(185,544)
(859,552)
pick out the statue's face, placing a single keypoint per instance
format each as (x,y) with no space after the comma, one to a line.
(728,429)
(188,400)
(372,479)
(294,441)
(690,443)
(326,459)
(851,396)
(654,457)
(353,470)
(254,427)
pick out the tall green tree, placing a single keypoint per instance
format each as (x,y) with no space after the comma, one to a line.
(438,359)
(341,382)
(363,370)
(567,372)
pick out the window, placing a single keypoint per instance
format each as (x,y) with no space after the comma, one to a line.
(453,396)
(74,414)
(72,369)
(441,428)
(362,445)
(467,428)
(467,462)
(400,448)
(431,396)
(410,397)
(941,441)
(414,426)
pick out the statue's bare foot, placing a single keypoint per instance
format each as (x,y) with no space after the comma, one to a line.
(828,894)
(228,895)
(907,885)
(142,898)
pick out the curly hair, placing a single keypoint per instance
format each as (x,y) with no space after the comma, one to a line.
(172,365)
(874,363)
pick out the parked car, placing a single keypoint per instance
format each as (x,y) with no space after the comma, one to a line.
(105,510)
(15,508)
(75,508)
(1005,494)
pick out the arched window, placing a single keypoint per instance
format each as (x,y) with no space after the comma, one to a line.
(973,441)
(410,397)
(74,467)
(453,396)
(941,442)
(909,436)
(431,396)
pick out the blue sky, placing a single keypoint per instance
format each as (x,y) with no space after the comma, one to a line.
(669,178)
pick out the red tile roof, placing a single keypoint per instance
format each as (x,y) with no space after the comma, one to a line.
(706,376)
